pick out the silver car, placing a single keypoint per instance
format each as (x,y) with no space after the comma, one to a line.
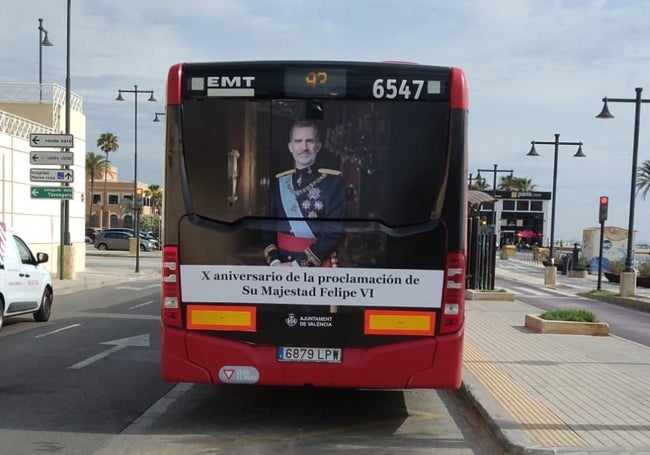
(120,240)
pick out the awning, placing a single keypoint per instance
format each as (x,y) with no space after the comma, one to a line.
(476,197)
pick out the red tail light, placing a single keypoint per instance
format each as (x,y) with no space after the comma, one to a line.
(453,296)
(171,297)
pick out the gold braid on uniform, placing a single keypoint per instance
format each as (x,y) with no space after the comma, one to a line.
(307,188)
(268,250)
(311,259)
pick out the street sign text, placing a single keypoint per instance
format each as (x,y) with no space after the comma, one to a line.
(51,192)
(51,140)
(37,174)
(39,157)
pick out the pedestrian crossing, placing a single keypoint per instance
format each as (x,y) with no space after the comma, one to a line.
(522,291)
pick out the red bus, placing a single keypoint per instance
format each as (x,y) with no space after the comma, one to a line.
(314,224)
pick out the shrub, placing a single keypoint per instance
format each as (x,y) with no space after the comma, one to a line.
(569,314)
(616,266)
(644,268)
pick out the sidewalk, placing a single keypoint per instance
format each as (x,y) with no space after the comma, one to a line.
(96,277)
(555,394)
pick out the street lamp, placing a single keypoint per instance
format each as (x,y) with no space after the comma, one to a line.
(635,151)
(156,119)
(42,41)
(136,210)
(494,190)
(550,277)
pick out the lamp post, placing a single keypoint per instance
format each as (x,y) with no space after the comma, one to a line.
(65,241)
(628,283)
(136,210)
(156,118)
(494,190)
(551,275)
(42,41)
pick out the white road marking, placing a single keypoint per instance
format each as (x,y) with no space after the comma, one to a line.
(139,288)
(138,341)
(529,291)
(57,331)
(141,305)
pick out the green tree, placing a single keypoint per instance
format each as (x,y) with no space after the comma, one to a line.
(480,184)
(156,195)
(96,167)
(509,182)
(643,178)
(107,143)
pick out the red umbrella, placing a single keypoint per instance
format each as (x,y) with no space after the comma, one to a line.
(527,234)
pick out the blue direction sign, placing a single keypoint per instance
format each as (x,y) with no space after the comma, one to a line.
(51,192)
(51,140)
(37,174)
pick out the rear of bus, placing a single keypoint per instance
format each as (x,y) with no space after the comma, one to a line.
(386,309)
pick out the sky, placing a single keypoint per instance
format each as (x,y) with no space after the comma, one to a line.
(534,68)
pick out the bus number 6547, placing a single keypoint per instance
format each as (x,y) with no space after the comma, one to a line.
(393,88)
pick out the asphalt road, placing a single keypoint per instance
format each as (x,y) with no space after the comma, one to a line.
(88,382)
(623,322)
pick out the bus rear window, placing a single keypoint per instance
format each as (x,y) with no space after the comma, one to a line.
(389,159)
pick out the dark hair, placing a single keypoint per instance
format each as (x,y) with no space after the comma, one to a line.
(304,124)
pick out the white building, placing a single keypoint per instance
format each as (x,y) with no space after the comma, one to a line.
(27,109)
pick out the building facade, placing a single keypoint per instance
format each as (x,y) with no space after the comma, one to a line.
(27,109)
(521,216)
(109,202)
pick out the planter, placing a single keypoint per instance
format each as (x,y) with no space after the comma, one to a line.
(498,296)
(540,325)
(578,273)
(641,281)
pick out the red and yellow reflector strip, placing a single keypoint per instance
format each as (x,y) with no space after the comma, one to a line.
(393,322)
(211,317)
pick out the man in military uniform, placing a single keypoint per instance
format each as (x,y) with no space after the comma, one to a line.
(302,194)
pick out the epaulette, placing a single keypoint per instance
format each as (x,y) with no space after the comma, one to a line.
(329,171)
(280,174)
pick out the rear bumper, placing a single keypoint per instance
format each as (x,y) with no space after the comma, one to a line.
(423,363)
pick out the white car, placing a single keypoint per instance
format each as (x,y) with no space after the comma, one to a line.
(25,284)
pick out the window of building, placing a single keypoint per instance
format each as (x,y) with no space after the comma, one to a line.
(113,199)
(536,206)
(97,198)
(508,205)
(522,206)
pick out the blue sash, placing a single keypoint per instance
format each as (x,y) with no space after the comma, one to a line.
(291,209)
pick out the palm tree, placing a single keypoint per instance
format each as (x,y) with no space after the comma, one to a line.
(510,182)
(107,143)
(96,167)
(156,197)
(643,178)
(480,184)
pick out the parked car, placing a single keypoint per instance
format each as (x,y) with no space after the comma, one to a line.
(25,284)
(144,235)
(115,239)
(92,233)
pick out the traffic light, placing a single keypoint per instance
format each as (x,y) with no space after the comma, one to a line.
(138,197)
(602,210)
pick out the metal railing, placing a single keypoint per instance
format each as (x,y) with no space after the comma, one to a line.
(14,125)
(53,94)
